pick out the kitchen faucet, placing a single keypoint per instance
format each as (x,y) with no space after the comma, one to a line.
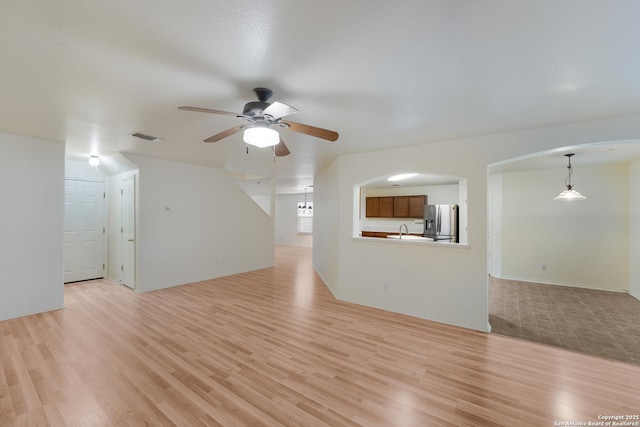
(406,230)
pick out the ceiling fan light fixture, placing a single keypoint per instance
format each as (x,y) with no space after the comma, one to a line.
(94,160)
(261,136)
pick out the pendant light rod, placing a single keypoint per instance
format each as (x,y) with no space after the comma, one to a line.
(567,181)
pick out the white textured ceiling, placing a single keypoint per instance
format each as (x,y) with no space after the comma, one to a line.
(380,73)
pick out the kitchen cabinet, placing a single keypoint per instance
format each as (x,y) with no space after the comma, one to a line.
(385,234)
(401,207)
(396,206)
(416,206)
(379,207)
(381,234)
(373,207)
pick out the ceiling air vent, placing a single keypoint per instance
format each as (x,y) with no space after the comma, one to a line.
(145,137)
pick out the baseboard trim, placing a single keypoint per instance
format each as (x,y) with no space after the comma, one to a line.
(571,285)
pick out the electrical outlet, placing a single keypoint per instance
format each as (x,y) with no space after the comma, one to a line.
(386,286)
(543,267)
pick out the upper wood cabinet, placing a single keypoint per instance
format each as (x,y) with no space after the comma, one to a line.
(380,207)
(416,206)
(386,207)
(373,206)
(396,207)
(401,207)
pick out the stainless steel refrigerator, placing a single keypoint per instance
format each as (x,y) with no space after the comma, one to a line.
(441,223)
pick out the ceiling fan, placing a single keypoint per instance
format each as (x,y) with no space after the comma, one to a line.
(263,116)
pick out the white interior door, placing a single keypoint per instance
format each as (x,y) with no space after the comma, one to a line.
(128,232)
(83,230)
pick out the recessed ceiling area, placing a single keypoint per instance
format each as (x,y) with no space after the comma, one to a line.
(418,180)
(585,155)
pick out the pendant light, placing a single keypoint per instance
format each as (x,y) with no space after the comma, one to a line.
(306,208)
(569,194)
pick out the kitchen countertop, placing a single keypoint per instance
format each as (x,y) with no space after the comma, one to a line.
(413,239)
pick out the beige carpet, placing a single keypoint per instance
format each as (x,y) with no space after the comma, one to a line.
(600,323)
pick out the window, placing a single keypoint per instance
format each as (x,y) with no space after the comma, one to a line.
(305,217)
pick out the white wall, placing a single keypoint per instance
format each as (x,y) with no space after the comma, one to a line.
(264,202)
(193,223)
(494,231)
(426,281)
(262,192)
(83,171)
(326,218)
(443,283)
(287,221)
(583,243)
(32,218)
(634,229)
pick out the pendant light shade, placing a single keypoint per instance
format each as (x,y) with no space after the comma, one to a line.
(569,194)
(261,136)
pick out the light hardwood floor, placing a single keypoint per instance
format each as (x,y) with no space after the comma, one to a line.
(273,347)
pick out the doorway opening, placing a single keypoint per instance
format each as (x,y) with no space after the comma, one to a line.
(100,221)
(549,259)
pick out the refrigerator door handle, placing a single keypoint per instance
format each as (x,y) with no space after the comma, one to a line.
(454,223)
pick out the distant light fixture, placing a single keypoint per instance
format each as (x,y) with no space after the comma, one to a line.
(94,160)
(569,194)
(306,208)
(401,176)
(261,136)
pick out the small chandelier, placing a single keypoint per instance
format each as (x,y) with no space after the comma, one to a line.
(306,208)
(569,194)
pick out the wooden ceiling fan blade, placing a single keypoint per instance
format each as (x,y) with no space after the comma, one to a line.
(279,109)
(224,134)
(329,135)
(281,149)
(209,110)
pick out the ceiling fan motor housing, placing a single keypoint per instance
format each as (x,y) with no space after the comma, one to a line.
(255,108)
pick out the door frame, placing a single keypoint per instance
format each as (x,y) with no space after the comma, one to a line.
(130,241)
